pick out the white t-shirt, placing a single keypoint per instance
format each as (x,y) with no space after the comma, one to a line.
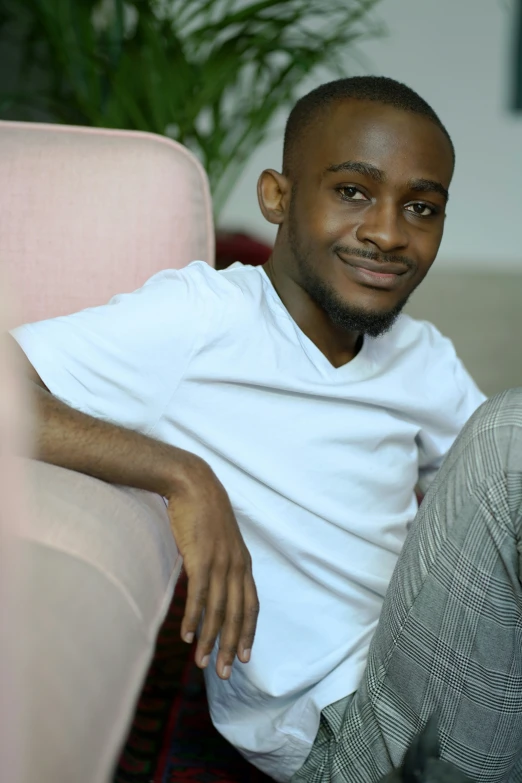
(320,465)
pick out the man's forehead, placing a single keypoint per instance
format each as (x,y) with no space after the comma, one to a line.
(357,114)
(378,133)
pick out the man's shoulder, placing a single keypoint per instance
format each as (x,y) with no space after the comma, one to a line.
(415,335)
(202,279)
(196,273)
(251,281)
(230,300)
(239,292)
(417,348)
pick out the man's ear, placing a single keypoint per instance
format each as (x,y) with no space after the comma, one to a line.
(273,191)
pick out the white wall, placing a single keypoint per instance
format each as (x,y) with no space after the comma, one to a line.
(458,55)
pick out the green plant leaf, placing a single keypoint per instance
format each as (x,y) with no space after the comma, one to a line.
(210,73)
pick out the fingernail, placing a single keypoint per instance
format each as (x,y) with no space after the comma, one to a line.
(205,661)
(226,672)
(189,638)
(246,655)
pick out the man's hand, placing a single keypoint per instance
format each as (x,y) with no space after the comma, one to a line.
(218,566)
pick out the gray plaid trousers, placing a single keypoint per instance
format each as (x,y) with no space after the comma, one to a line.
(450,634)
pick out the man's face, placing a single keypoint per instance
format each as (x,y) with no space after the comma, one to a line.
(366,211)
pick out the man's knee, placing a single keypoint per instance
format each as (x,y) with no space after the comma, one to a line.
(495,431)
(504,410)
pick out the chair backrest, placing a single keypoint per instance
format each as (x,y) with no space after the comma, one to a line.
(88,213)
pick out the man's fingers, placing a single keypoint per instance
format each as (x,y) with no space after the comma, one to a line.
(197,593)
(250,615)
(215,612)
(225,596)
(231,631)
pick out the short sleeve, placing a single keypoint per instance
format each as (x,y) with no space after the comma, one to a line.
(458,399)
(123,361)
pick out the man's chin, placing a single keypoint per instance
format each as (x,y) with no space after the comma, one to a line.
(372,323)
(375,327)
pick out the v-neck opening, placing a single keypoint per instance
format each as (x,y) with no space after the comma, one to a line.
(314,354)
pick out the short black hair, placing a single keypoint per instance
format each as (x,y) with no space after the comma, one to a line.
(379,89)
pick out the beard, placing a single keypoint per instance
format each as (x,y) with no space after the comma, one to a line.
(348,317)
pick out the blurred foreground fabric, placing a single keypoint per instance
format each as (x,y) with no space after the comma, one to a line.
(14,582)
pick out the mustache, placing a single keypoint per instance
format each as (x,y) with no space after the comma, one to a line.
(371,255)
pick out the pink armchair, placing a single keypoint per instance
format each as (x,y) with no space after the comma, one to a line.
(86,214)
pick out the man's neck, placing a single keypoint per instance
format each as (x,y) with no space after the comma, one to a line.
(338,346)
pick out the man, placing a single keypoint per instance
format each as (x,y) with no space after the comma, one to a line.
(289,412)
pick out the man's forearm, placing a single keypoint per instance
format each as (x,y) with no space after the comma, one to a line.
(71,439)
(222,598)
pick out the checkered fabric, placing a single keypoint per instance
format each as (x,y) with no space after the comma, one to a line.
(450,634)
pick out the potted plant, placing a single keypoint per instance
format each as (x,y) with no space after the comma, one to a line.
(208,73)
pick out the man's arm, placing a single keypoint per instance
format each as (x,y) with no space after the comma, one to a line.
(216,560)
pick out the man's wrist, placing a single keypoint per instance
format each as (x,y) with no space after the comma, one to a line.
(181,471)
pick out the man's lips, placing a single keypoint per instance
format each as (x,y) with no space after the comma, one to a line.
(385,275)
(379,268)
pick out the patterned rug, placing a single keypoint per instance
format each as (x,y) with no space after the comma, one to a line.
(172,739)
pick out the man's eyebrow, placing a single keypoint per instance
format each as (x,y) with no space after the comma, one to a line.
(378,175)
(428,186)
(358,167)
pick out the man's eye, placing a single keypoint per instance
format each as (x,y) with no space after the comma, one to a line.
(423,210)
(351,193)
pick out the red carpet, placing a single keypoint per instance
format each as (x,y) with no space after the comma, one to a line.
(172,739)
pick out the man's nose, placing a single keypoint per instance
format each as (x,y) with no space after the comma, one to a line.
(384,227)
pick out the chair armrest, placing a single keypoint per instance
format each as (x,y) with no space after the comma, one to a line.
(103,565)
